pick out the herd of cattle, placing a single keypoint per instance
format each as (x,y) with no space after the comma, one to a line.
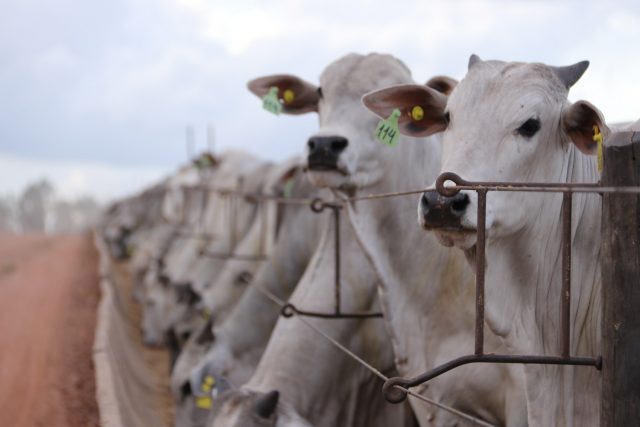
(208,259)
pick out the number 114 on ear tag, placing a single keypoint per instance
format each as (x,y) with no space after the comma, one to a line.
(270,101)
(387,130)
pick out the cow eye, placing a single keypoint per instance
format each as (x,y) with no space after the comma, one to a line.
(447,117)
(529,128)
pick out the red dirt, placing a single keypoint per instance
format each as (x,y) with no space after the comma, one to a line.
(48,297)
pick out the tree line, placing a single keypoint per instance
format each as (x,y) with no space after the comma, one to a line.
(39,209)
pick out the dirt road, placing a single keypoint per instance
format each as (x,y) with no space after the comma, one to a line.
(48,297)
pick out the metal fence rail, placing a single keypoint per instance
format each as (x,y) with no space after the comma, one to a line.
(395,394)
(317,205)
(396,389)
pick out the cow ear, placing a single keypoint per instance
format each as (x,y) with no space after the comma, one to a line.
(421,108)
(297,96)
(579,122)
(265,404)
(442,84)
(473,60)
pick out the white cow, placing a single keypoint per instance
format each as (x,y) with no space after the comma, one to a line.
(510,121)
(219,280)
(227,285)
(220,297)
(325,395)
(183,261)
(344,156)
(173,294)
(164,303)
(239,340)
(425,289)
(302,379)
(152,248)
(175,308)
(124,220)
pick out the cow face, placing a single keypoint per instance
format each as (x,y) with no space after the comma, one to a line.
(245,408)
(168,308)
(503,122)
(344,153)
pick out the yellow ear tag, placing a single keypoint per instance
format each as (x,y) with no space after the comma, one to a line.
(204,402)
(130,249)
(417,113)
(597,137)
(387,130)
(288,96)
(270,101)
(205,313)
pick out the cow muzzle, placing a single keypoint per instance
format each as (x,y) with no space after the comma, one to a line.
(443,213)
(324,152)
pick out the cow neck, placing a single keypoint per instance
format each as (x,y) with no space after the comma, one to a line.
(419,277)
(248,335)
(523,285)
(336,388)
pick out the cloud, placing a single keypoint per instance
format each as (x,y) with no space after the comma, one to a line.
(115,83)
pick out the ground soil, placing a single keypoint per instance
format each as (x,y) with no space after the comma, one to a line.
(48,297)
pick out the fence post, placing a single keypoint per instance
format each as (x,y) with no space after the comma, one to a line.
(621,283)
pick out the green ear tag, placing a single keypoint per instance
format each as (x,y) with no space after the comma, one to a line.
(270,101)
(288,187)
(387,130)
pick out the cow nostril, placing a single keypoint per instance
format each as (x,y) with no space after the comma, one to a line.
(460,203)
(185,390)
(338,145)
(424,201)
(312,145)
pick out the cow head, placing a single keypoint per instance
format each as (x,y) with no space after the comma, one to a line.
(344,153)
(168,308)
(503,122)
(247,408)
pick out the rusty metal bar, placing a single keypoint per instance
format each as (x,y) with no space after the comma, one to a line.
(262,214)
(203,205)
(394,395)
(251,196)
(318,205)
(480,267)
(233,219)
(461,184)
(566,274)
(195,235)
(224,255)
(289,310)
(183,214)
(336,219)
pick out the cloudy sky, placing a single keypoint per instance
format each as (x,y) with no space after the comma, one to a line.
(96,94)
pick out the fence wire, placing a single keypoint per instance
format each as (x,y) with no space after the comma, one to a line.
(316,205)
(273,298)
